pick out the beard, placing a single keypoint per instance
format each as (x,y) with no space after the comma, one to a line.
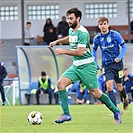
(73,25)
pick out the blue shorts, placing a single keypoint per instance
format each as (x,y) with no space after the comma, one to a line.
(113,71)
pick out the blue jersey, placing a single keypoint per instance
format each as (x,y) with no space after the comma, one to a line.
(110,46)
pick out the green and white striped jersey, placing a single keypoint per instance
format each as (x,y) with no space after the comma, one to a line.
(80,38)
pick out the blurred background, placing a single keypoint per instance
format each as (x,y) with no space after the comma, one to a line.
(14,15)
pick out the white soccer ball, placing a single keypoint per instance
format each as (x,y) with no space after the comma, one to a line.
(35,118)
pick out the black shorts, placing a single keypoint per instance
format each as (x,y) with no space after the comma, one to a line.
(113,71)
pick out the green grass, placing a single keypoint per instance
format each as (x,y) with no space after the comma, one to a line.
(86,119)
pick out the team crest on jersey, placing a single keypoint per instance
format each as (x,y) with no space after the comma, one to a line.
(109,39)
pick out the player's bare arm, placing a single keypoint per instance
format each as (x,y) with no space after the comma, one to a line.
(64,40)
(79,52)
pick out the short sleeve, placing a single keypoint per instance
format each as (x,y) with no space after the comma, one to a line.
(83,39)
(119,38)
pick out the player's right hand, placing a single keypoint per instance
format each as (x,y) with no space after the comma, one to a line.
(52,44)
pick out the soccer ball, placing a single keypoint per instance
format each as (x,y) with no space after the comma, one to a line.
(35,118)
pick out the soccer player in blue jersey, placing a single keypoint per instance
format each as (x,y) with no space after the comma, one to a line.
(83,67)
(109,42)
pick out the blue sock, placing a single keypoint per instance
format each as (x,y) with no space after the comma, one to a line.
(111,95)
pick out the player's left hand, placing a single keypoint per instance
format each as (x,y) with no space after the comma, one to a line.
(116,60)
(59,51)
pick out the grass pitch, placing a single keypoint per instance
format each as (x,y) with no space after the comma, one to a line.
(86,119)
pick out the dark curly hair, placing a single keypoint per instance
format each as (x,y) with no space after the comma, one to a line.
(76,12)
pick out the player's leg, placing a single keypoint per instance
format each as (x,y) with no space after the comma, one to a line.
(68,77)
(62,83)
(97,93)
(111,94)
(108,74)
(118,80)
(123,94)
(109,104)
(91,83)
(89,78)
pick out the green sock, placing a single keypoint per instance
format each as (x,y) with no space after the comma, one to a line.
(105,99)
(64,101)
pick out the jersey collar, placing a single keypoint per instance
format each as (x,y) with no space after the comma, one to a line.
(105,34)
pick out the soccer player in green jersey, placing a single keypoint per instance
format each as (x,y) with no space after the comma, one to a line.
(83,67)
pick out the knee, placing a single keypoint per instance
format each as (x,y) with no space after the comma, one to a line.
(109,87)
(60,86)
(96,93)
(119,87)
